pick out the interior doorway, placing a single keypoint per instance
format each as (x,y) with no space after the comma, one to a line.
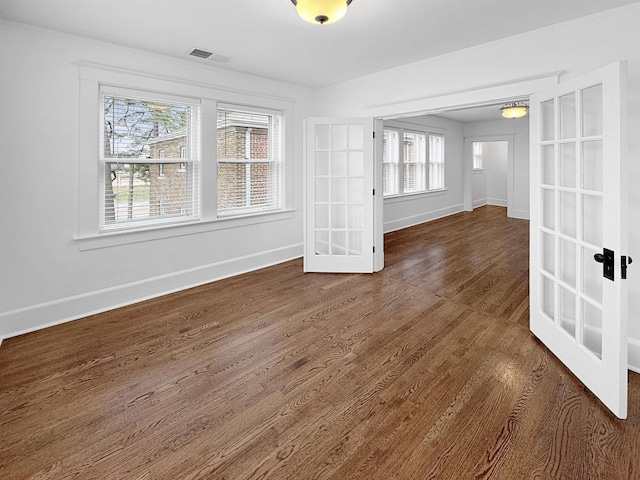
(489,184)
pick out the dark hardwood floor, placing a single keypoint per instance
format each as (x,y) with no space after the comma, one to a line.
(426,370)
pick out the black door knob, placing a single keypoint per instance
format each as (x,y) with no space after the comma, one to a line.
(598,257)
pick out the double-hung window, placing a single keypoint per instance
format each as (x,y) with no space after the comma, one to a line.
(413,161)
(391,162)
(146,180)
(249,154)
(162,158)
(436,162)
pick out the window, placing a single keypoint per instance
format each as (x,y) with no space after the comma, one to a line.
(124,125)
(249,156)
(436,162)
(390,162)
(477,155)
(415,159)
(140,161)
(405,169)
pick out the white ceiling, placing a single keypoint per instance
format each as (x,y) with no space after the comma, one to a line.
(266,37)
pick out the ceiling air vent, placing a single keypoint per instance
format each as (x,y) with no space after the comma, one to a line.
(206,55)
(197,52)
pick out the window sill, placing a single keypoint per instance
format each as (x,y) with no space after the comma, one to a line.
(125,237)
(478,170)
(414,196)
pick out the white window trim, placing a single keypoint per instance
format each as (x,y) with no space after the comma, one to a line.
(91,77)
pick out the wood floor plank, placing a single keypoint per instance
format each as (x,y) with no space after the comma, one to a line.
(426,369)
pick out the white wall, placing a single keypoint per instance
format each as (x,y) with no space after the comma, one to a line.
(573,48)
(494,157)
(45,276)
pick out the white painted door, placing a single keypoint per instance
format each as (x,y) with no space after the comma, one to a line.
(339,197)
(578,216)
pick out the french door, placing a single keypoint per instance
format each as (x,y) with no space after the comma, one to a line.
(578,254)
(339,195)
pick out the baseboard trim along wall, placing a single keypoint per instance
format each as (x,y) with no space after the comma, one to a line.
(36,317)
(410,221)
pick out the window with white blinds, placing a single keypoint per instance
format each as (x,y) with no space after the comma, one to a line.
(249,154)
(414,162)
(149,160)
(436,162)
(391,162)
(414,166)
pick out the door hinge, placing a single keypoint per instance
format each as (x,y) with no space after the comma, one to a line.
(374,134)
(374,249)
(625,261)
(374,191)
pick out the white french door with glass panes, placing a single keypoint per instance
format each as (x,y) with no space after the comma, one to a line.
(339,197)
(578,229)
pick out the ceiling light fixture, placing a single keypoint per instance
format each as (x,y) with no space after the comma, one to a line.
(321,11)
(514,110)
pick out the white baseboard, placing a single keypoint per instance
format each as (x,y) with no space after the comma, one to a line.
(406,222)
(481,202)
(498,202)
(35,317)
(520,214)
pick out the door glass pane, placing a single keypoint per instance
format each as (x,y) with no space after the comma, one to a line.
(592,166)
(338,189)
(592,111)
(547,127)
(322,163)
(339,242)
(356,164)
(591,275)
(592,332)
(339,137)
(322,190)
(547,164)
(548,208)
(567,170)
(548,297)
(322,242)
(568,116)
(356,137)
(567,213)
(356,242)
(568,311)
(338,216)
(322,137)
(548,252)
(322,216)
(567,262)
(356,213)
(355,190)
(339,165)
(592,219)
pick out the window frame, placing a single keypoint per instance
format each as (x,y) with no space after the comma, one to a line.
(94,76)
(275,157)
(402,129)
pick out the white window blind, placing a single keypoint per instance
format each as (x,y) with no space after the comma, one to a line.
(414,162)
(436,162)
(391,162)
(146,180)
(250,160)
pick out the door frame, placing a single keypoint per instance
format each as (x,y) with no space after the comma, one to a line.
(468,169)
